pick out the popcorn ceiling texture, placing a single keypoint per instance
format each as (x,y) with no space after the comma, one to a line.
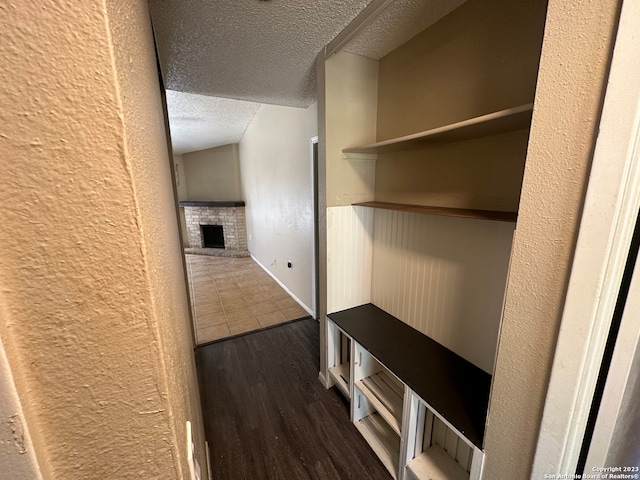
(199,122)
(95,318)
(249,50)
(397,24)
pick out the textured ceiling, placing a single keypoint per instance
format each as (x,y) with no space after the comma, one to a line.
(261,51)
(397,24)
(198,122)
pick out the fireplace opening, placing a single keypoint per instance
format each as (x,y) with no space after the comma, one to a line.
(212,236)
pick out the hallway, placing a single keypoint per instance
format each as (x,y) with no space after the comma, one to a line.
(230,296)
(268,417)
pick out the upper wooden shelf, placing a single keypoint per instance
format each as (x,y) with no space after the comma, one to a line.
(502,121)
(444,211)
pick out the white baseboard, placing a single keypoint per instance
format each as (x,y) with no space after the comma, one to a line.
(284,287)
(323,380)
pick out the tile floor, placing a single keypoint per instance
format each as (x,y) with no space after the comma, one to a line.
(235,295)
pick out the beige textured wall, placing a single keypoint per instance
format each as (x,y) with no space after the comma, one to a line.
(275,157)
(481,58)
(213,174)
(95,323)
(351,90)
(576,49)
(153,186)
(16,449)
(181,190)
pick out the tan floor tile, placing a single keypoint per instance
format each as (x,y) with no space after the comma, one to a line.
(266,307)
(235,293)
(273,318)
(247,282)
(255,298)
(243,326)
(225,284)
(294,313)
(233,303)
(205,308)
(209,334)
(204,298)
(210,319)
(276,293)
(238,314)
(286,303)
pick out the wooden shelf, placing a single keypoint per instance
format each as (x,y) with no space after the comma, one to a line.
(502,121)
(385,395)
(435,464)
(446,382)
(340,374)
(444,211)
(382,440)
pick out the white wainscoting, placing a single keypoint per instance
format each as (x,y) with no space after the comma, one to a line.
(349,256)
(445,277)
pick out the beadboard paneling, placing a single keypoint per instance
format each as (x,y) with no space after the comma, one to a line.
(443,276)
(349,255)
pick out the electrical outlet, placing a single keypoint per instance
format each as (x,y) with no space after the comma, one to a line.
(194,466)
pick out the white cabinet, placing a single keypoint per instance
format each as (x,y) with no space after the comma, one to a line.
(420,407)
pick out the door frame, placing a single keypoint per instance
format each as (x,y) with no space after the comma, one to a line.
(610,210)
(315,260)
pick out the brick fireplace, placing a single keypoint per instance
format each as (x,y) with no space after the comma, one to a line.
(229,215)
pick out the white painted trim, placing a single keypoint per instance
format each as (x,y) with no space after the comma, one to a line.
(610,210)
(284,287)
(620,371)
(323,380)
(314,262)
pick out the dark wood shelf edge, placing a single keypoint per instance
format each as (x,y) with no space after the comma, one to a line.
(444,211)
(213,203)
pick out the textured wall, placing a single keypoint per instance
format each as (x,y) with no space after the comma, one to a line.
(155,199)
(573,68)
(95,319)
(213,174)
(351,91)
(275,160)
(16,450)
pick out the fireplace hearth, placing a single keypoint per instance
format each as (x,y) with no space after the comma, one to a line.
(216,225)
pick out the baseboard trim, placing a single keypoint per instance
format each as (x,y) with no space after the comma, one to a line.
(284,287)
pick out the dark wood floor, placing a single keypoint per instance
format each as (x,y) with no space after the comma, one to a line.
(268,417)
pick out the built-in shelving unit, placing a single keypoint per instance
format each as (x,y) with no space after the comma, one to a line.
(502,121)
(340,363)
(435,464)
(444,211)
(421,407)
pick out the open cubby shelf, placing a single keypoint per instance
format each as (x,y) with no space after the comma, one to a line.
(382,440)
(450,385)
(340,374)
(435,464)
(502,121)
(444,211)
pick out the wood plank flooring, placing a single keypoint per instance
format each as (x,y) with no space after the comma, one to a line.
(267,416)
